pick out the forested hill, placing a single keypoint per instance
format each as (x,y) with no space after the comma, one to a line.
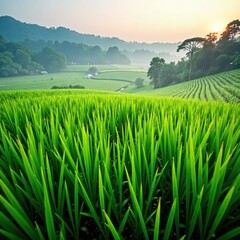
(16,31)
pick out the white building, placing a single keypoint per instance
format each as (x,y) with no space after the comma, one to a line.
(89,76)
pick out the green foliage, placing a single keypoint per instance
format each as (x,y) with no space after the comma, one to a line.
(223,87)
(7,66)
(22,57)
(76,53)
(231,31)
(79,53)
(70,87)
(206,56)
(216,55)
(114,56)
(16,60)
(154,71)
(78,165)
(161,73)
(168,74)
(191,46)
(93,70)
(76,46)
(52,60)
(139,82)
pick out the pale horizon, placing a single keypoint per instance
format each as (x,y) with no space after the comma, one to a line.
(134,20)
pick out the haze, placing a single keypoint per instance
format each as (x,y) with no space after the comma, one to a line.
(131,20)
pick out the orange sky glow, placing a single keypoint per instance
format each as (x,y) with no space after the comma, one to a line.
(131,20)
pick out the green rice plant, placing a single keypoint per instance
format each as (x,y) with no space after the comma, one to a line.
(16,212)
(77,165)
(231,234)
(176,201)
(48,211)
(170,220)
(137,211)
(157,221)
(111,227)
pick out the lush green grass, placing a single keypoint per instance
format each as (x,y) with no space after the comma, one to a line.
(76,75)
(130,76)
(220,87)
(58,79)
(97,165)
(84,68)
(106,68)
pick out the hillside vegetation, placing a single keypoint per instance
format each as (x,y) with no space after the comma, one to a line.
(221,87)
(19,60)
(205,56)
(15,30)
(36,37)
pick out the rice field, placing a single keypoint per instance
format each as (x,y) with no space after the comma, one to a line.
(224,87)
(109,78)
(98,165)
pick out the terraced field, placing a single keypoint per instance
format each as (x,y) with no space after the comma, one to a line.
(109,78)
(221,87)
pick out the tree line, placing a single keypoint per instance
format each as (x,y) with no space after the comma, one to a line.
(79,53)
(204,56)
(33,57)
(16,60)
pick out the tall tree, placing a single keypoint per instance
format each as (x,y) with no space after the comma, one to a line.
(228,45)
(231,31)
(205,57)
(154,71)
(210,39)
(190,45)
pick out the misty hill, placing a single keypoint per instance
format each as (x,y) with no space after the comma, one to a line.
(16,31)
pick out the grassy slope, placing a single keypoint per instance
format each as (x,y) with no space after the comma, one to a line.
(220,87)
(121,75)
(215,87)
(75,75)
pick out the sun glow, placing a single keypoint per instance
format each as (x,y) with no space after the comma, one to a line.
(217,27)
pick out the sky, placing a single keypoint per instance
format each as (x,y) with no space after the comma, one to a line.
(130,20)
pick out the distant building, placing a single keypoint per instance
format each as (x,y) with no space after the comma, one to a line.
(89,76)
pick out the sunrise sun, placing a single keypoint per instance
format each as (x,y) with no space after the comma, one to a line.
(217,27)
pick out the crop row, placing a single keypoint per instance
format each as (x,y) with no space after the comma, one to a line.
(82,165)
(221,87)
